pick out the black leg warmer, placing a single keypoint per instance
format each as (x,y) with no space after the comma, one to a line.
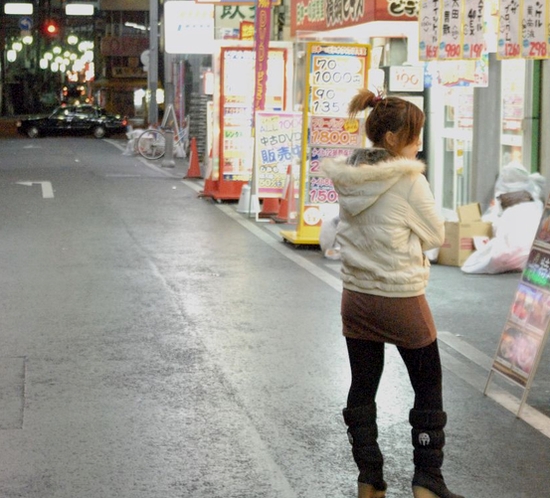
(363,435)
(428,439)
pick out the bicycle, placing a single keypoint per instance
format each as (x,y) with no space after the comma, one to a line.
(151,144)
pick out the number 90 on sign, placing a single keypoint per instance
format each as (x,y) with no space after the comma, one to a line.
(333,101)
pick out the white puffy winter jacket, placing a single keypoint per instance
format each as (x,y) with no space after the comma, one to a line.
(388,218)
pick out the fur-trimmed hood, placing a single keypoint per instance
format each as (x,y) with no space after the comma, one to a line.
(367,174)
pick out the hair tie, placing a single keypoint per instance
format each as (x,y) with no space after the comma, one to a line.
(377,98)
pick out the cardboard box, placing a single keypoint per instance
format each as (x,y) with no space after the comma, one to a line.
(459,235)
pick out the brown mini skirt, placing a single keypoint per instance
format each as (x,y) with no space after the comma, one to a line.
(403,321)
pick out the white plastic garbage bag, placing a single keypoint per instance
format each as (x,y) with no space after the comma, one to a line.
(509,249)
(131,145)
(514,178)
(327,238)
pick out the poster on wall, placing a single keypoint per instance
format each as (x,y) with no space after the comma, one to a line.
(465,73)
(526,329)
(334,74)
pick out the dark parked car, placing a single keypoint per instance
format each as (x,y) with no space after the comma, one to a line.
(74,119)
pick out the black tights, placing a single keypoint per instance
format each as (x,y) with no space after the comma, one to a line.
(367,363)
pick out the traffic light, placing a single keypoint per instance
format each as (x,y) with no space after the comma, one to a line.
(51,29)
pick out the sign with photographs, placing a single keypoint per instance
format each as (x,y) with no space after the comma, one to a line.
(527,325)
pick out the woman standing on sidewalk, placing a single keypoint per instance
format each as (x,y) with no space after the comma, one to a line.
(388,218)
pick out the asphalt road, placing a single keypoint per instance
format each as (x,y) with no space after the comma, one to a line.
(155,344)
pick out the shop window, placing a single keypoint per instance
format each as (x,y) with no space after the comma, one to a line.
(513,111)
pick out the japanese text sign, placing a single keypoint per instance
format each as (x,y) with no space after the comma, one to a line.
(261,40)
(278,143)
(523,30)
(451,29)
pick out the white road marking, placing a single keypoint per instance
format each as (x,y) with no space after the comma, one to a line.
(47,190)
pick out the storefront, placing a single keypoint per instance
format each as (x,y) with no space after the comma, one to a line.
(482,98)
(466,146)
(484,106)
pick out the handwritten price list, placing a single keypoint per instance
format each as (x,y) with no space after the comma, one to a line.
(473,37)
(429,29)
(337,73)
(535,33)
(331,137)
(523,29)
(451,29)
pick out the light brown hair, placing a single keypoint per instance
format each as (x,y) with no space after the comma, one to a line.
(404,119)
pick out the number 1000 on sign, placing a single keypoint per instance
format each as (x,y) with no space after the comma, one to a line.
(337,71)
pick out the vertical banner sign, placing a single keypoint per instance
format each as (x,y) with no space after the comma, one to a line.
(429,28)
(261,42)
(278,142)
(509,29)
(335,74)
(535,29)
(474,41)
(526,329)
(450,46)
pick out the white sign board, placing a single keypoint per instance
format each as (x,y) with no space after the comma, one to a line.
(406,79)
(188,28)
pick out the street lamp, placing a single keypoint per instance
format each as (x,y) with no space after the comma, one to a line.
(79,9)
(13,8)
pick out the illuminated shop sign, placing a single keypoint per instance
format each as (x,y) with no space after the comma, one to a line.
(321,15)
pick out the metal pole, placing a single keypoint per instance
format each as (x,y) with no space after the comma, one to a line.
(152,75)
(168,159)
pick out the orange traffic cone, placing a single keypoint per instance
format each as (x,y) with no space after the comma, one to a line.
(287,209)
(210,185)
(194,170)
(270,207)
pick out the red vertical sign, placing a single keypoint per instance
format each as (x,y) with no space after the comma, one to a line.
(262,34)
